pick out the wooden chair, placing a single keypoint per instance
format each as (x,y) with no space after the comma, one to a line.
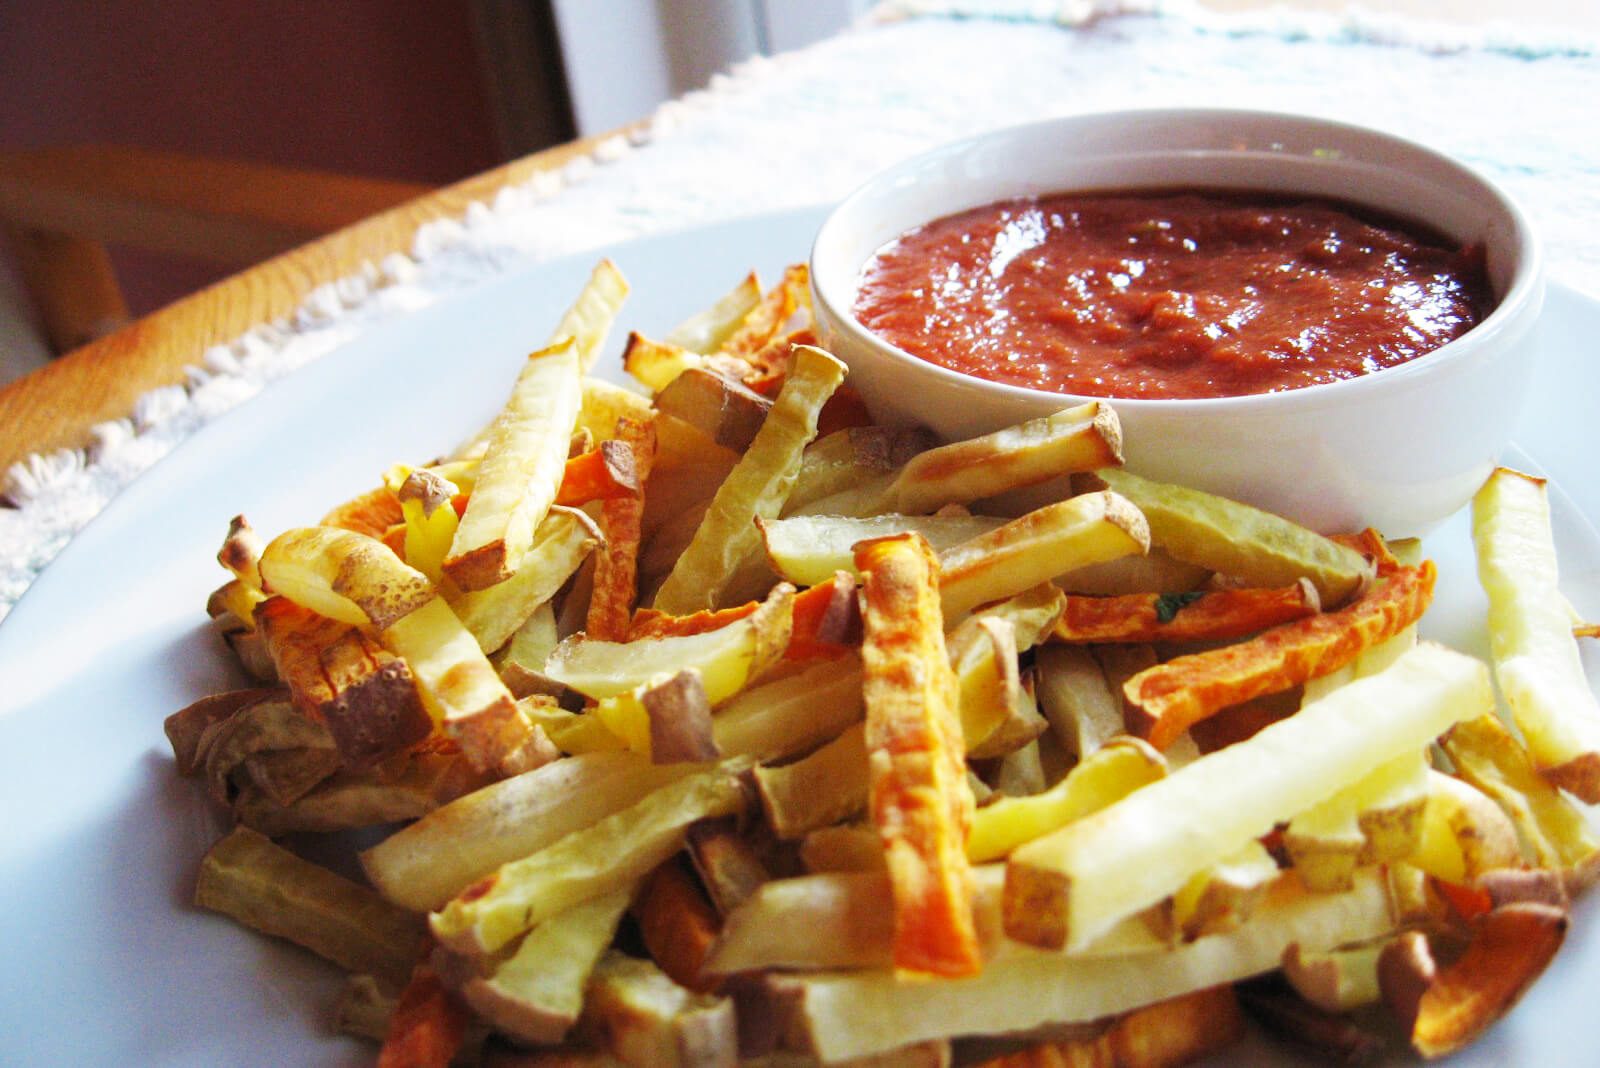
(61,206)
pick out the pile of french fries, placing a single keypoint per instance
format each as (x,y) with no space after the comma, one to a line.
(722,726)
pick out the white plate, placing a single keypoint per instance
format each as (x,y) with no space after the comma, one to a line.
(104,960)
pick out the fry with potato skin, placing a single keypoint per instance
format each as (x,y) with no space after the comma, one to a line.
(1536,661)
(758,485)
(521,469)
(918,795)
(1168,699)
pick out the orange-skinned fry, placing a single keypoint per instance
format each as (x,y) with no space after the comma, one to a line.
(919,799)
(1197,616)
(1166,700)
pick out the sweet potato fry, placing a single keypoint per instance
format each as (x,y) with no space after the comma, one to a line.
(371,513)
(678,925)
(427,1027)
(616,568)
(1209,615)
(1444,1009)
(1169,698)
(604,473)
(918,794)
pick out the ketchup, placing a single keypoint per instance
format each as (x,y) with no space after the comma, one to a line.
(1185,294)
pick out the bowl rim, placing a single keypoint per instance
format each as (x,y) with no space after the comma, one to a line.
(1525,288)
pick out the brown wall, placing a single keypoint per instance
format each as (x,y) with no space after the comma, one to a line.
(388,88)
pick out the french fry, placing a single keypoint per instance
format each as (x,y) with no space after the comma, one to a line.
(1170,698)
(617,567)
(521,469)
(1157,571)
(1035,548)
(757,486)
(763,321)
(1234,539)
(706,331)
(1100,778)
(621,847)
(1164,1035)
(1444,1009)
(728,864)
(343,575)
(1083,711)
(241,554)
(186,727)
(427,1027)
(918,796)
(1554,832)
(424,865)
(853,1014)
(723,409)
(561,545)
(1464,834)
(1336,980)
(1211,615)
(793,714)
(844,459)
(1081,438)
(606,472)
(1375,819)
(809,549)
(1536,660)
(848,847)
(227,747)
(365,696)
(536,994)
(371,513)
(727,659)
(1222,897)
(677,925)
(349,799)
(1071,885)
(427,502)
(826,787)
(264,886)
(644,1018)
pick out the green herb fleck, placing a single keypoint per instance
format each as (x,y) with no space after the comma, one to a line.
(1169,604)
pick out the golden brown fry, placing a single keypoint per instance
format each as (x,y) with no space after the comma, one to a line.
(1169,698)
(918,793)
(263,886)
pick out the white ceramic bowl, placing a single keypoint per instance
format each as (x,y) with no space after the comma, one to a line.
(1400,449)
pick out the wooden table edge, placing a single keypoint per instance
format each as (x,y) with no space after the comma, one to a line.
(57,406)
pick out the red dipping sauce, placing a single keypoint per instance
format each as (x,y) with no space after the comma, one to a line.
(1172,295)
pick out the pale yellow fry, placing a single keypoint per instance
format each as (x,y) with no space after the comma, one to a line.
(707,330)
(757,486)
(343,575)
(1106,775)
(1536,661)
(521,470)
(1037,547)
(586,863)
(589,319)
(808,549)
(563,542)
(1073,884)
(1080,438)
